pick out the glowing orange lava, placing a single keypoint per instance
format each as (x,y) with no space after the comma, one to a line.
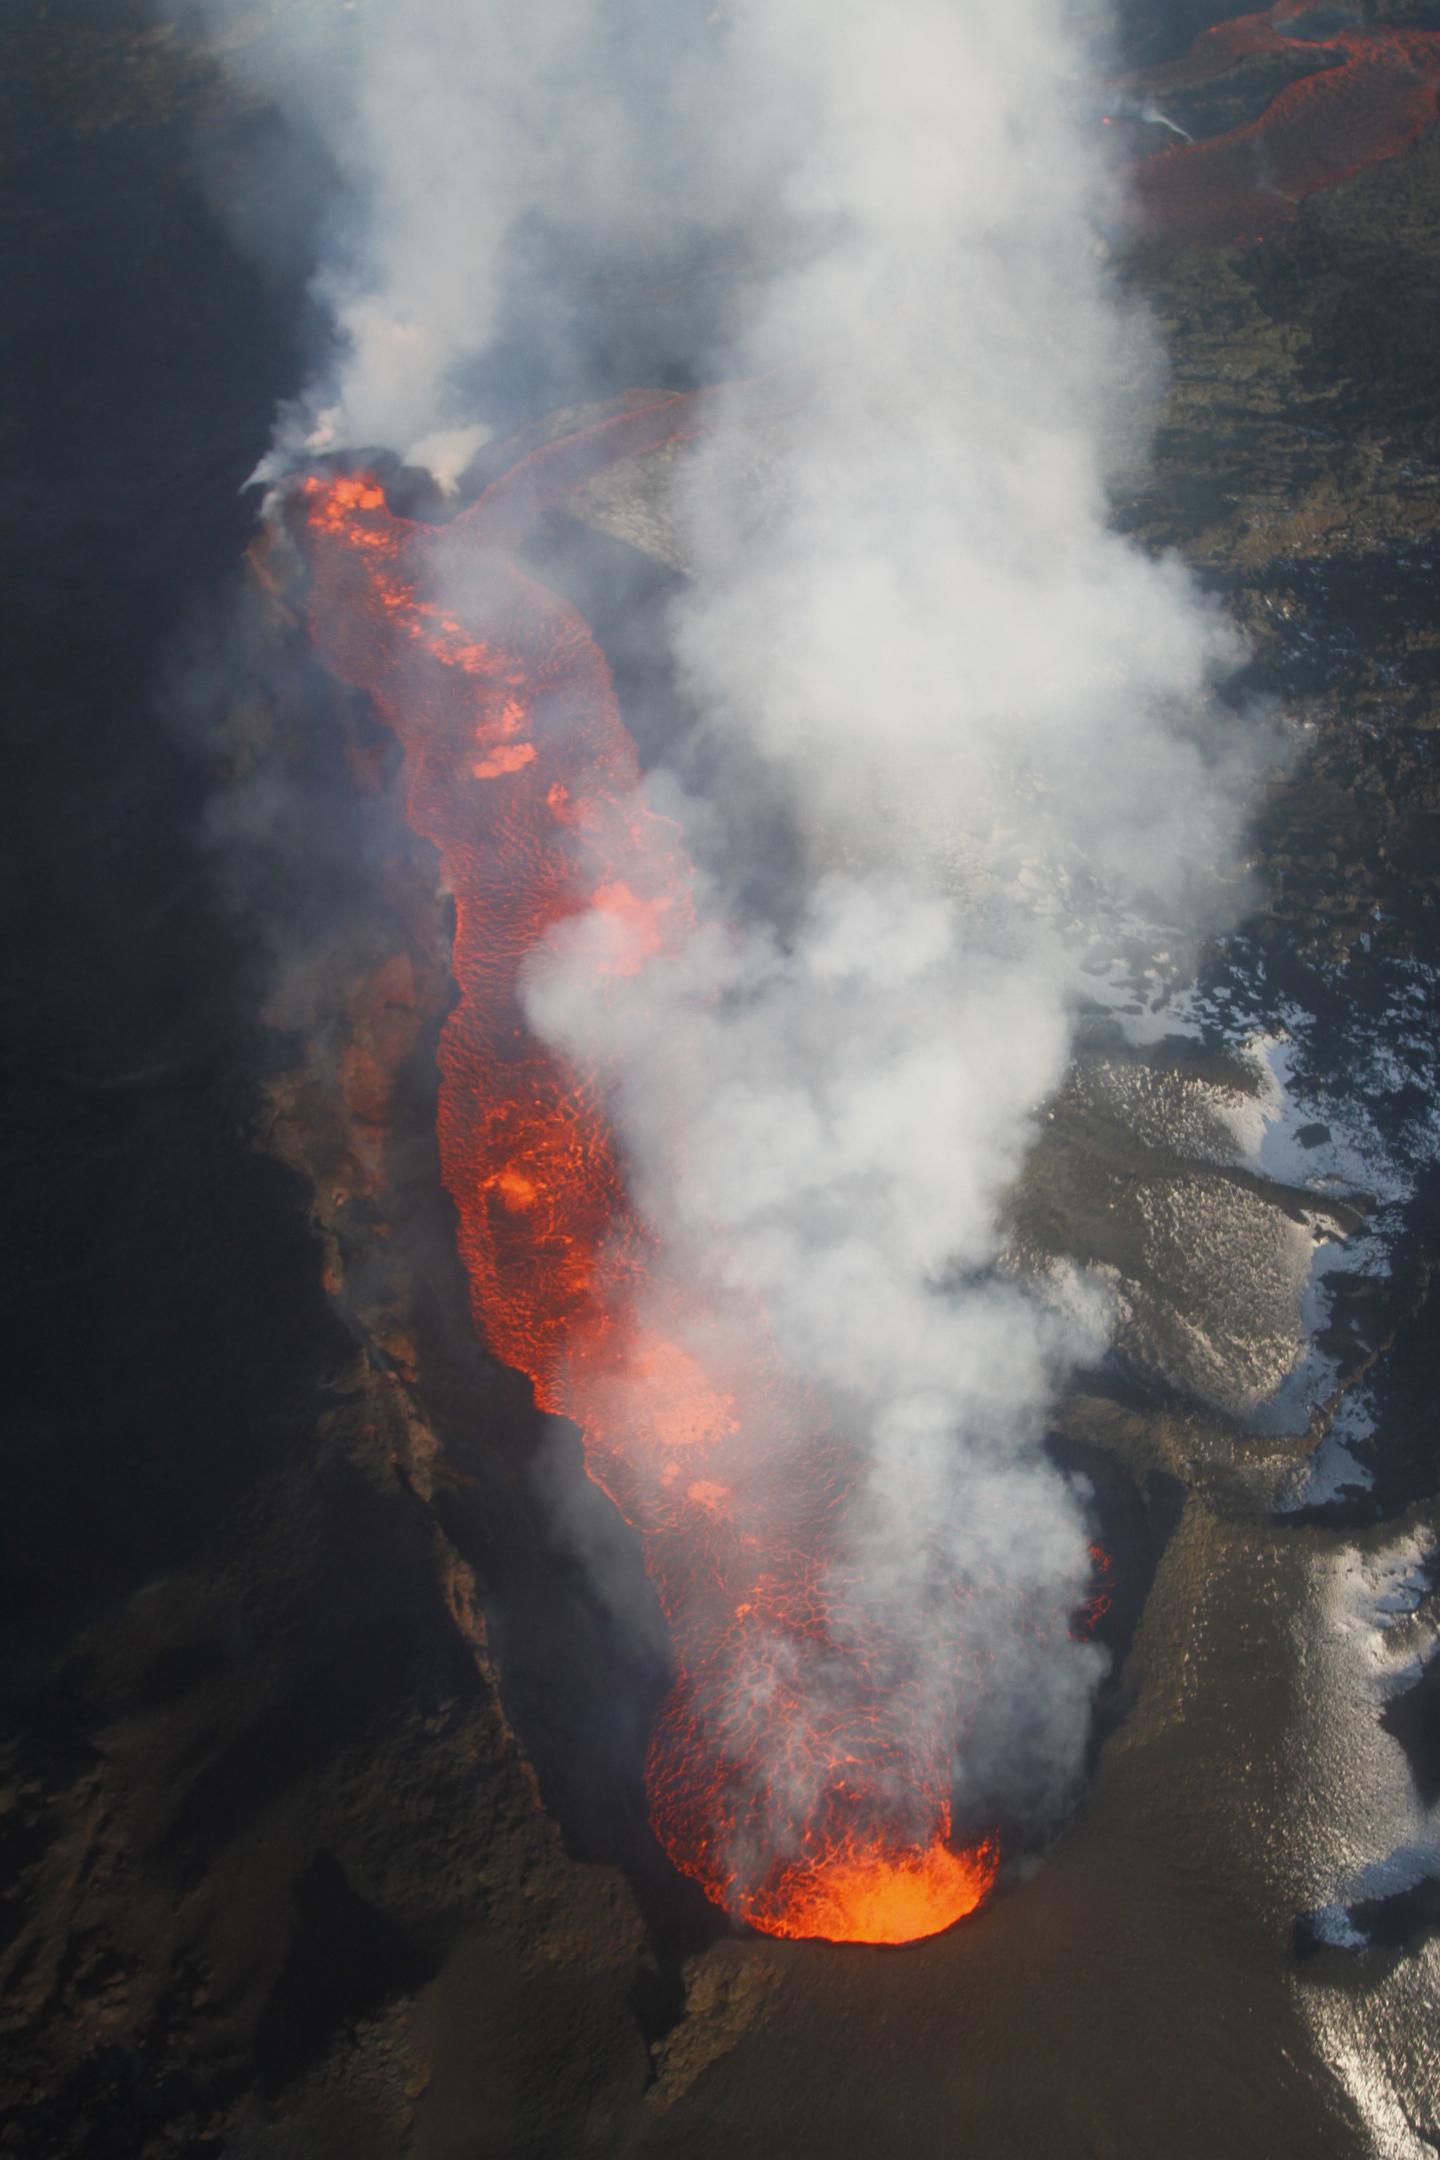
(789,1772)
(1373,91)
(806,1810)
(873,1894)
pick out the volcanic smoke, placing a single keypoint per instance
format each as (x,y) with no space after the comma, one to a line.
(514,749)
(730,1141)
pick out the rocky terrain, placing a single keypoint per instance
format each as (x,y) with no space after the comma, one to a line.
(321,1815)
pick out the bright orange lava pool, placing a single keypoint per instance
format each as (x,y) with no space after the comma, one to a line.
(877,1896)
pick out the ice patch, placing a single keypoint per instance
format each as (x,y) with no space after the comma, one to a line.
(1139,991)
(1300,1137)
(1404,1869)
(1318,1372)
(1333,1925)
(1333,1472)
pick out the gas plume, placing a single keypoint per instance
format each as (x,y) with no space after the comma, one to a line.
(789,1096)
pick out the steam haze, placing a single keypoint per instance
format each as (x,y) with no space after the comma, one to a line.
(987,724)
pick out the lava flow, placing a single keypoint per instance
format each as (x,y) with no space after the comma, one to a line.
(801,1763)
(1372,92)
(790,1773)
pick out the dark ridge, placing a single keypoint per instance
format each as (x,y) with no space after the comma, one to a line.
(157,1283)
(346,1960)
(583,1660)
(1149,35)
(1134,1520)
(1399,1456)
(1413,1719)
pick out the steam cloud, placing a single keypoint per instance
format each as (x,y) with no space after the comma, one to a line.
(989,722)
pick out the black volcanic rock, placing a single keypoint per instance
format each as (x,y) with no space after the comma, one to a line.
(346,1960)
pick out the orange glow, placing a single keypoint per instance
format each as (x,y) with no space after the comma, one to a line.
(638,923)
(509,758)
(708,1448)
(515,1189)
(706,1493)
(876,1895)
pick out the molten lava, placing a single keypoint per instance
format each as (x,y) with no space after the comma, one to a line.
(863,1893)
(1372,92)
(800,1766)
(806,1809)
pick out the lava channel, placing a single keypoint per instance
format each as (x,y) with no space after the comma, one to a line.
(804,1809)
(788,1773)
(1373,91)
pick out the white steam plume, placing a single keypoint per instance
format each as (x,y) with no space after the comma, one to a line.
(989,720)
(982,712)
(489,161)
